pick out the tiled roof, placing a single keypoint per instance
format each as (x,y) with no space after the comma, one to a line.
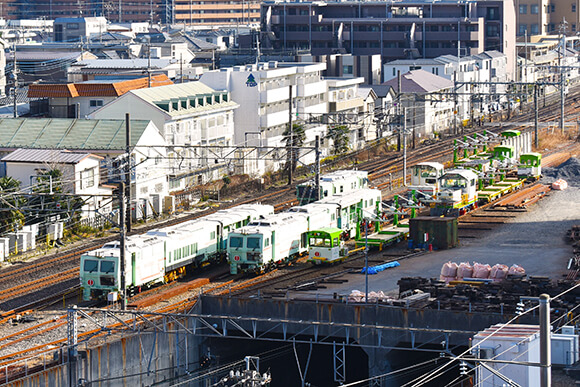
(420,81)
(47,156)
(95,89)
(66,133)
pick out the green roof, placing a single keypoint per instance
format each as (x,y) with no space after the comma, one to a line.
(68,133)
(185,98)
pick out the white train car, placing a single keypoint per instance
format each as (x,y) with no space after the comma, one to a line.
(267,242)
(337,182)
(164,254)
(350,206)
(280,238)
(144,266)
(425,178)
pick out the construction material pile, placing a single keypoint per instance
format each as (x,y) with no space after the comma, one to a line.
(568,172)
(489,296)
(451,271)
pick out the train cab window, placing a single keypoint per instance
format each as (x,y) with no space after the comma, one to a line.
(325,193)
(236,242)
(253,243)
(91,265)
(430,181)
(267,242)
(107,267)
(335,241)
(472,183)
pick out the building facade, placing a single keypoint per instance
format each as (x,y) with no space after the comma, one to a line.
(395,30)
(265,93)
(196,121)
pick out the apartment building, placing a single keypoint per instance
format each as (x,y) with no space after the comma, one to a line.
(196,122)
(265,92)
(189,12)
(395,30)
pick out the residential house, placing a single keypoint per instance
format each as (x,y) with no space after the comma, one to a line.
(426,102)
(104,138)
(81,175)
(196,121)
(78,100)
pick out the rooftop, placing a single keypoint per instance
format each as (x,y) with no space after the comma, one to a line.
(98,88)
(66,133)
(47,156)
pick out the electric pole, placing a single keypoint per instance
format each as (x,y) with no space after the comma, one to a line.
(15,76)
(128,169)
(123,286)
(291,134)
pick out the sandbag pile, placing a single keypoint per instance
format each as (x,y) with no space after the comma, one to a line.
(451,271)
(560,184)
(358,296)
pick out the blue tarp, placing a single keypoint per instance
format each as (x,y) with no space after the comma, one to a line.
(379,268)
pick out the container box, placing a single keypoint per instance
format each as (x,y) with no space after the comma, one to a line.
(440,232)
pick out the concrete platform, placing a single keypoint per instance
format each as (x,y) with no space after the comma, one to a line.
(533,240)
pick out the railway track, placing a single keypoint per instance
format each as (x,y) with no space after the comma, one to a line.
(297,275)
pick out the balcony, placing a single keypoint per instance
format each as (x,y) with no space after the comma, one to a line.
(274,95)
(310,89)
(273,119)
(345,105)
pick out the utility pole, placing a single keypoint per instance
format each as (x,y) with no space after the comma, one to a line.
(317,166)
(291,132)
(15,75)
(148,62)
(561,54)
(536,115)
(399,109)
(128,168)
(123,286)
(405,147)
(545,342)
(455,102)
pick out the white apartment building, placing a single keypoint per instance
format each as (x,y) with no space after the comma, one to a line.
(347,107)
(196,121)
(263,92)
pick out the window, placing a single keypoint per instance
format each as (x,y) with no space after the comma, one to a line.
(107,267)
(90,265)
(534,29)
(253,243)
(523,9)
(534,9)
(212,235)
(552,8)
(72,26)
(96,102)
(236,241)
(87,178)
(522,29)
(573,7)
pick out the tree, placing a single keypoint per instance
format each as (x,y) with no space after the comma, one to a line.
(11,218)
(50,183)
(339,136)
(293,141)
